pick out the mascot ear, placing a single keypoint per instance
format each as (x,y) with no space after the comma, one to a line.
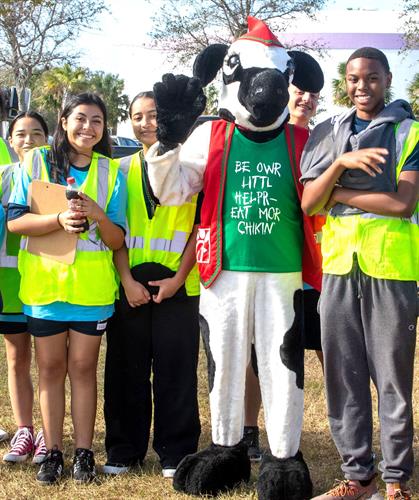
(308,75)
(208,62)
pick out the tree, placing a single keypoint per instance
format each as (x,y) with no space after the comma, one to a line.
(211,93)
(35,34)
(410,25)
(52,87)
(413,92)
(110,88)
(340,96)
(184,27)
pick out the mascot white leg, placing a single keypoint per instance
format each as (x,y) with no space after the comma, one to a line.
(228,307)
(280,354)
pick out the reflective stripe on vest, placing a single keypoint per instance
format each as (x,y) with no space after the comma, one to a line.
(82,244)
(6,174)
(163,238)
(387,247)
(6,187)
(6,180)
(402,130)
(124,164)
(38,168)
(7,260)
(134,241)
(89,241)
(176,244)
(7,154)
(413,219)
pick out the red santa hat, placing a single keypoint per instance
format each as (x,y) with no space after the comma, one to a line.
(258,31)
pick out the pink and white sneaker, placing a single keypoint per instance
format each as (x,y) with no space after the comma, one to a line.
(40,448)
(22,446)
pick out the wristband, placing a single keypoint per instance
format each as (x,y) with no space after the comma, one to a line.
(58,220)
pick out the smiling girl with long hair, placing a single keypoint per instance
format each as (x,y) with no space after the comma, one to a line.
(68,305)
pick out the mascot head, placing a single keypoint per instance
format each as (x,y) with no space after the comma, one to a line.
(257,70)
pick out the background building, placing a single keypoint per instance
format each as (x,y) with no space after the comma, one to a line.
(337,33)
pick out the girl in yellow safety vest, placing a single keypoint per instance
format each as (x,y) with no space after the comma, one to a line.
(155,326)
(27,131)
(68,305)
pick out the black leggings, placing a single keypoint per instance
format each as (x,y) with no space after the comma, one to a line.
(163,338)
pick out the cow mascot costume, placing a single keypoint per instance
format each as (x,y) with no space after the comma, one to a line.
(252,248)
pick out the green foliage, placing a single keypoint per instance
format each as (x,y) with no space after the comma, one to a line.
(212,100)
(184,27)
(413,92)
(51,88)
(409,23)
(6,77)
(110,88)
(321,108)
(340,96)
(37,34)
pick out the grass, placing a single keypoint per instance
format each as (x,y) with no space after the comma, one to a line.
(17,482)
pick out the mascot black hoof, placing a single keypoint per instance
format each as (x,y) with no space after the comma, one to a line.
(212,471)
(284,479)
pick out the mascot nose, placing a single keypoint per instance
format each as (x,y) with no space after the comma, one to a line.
(264,93)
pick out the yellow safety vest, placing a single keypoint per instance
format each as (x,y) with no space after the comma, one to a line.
(163,238)
(7,155)
(9,275)
(90,280)
(386,247)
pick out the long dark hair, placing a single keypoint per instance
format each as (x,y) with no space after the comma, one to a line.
(28,114)
(61,149)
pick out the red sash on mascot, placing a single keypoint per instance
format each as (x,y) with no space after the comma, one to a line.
(210,235)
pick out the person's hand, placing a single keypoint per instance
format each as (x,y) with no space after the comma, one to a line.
(71,221)
(179,101)
(167,288)
(367,159)
(87,208)
(136,293)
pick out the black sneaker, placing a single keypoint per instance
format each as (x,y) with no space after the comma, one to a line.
(251,438)
(84,470)
(51,468)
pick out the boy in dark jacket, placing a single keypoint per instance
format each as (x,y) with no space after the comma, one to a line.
(363,166)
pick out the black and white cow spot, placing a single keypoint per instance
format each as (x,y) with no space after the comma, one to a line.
(292,348)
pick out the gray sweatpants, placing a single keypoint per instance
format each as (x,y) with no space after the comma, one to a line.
(368,330)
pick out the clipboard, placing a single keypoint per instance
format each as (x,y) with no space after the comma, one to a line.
(47,198)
